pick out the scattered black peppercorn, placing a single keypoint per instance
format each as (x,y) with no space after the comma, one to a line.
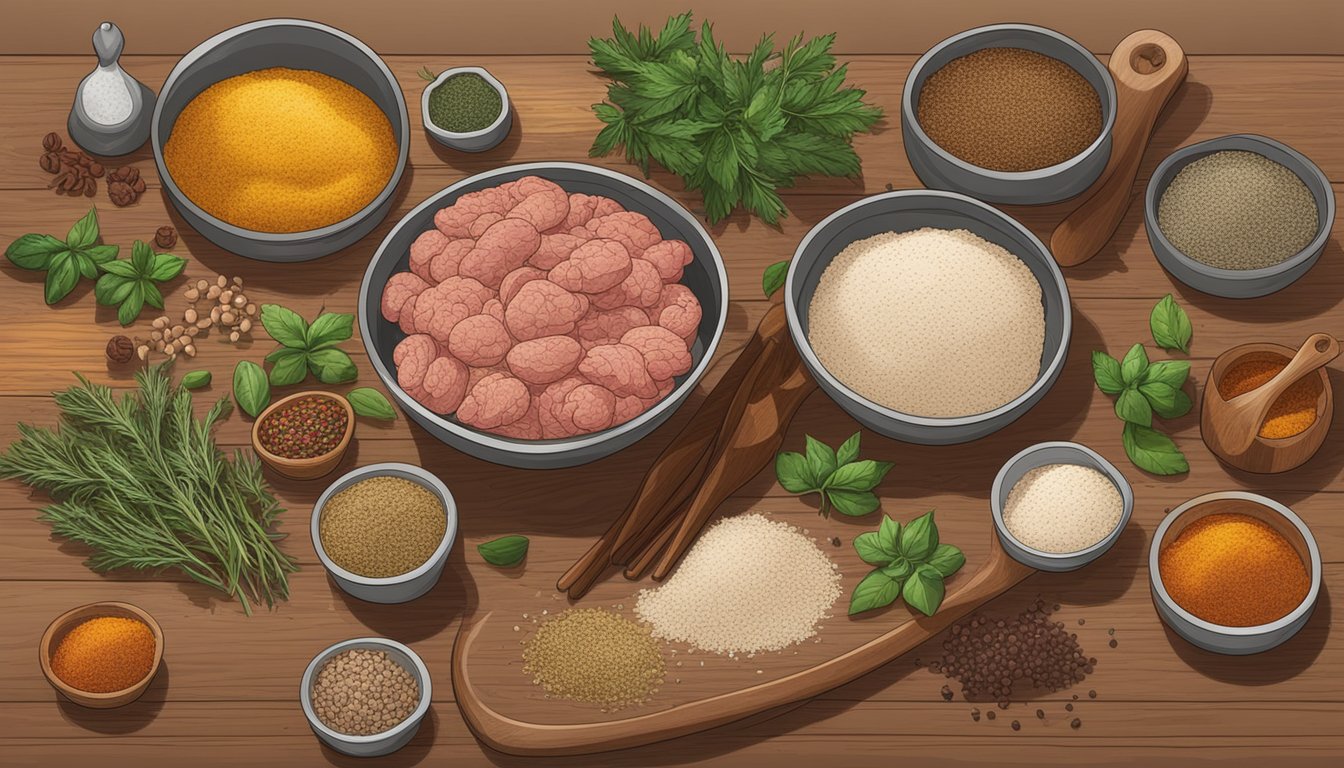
(1111,631)
(120,349)
(990,714)
(947,693)
(1040,714)
(975,714)
(1076,724)
(1091,694)
(1113,643)
(1017,726)
(1081,622)
(1068,707)
(835,541)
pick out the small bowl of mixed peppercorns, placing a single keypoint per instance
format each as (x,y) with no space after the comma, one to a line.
(304,435)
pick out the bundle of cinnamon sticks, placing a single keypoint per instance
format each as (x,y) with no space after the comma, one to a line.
(736,431)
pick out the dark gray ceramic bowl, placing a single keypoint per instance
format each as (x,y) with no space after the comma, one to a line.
(705,276)
(377,744)
(1239,283)
(903,211)
(939,169)
(296,44)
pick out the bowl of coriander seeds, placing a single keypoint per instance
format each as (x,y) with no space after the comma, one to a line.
(366,697)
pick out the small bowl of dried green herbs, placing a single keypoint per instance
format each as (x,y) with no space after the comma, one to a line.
(304,436)
(465,108)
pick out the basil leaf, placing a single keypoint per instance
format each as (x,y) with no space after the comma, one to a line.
(1170,325)
(102,253)
(332,366)
(250,388)
(166,267)
(919,538)
(859,475)
(504,552)
(84,264)
(946,559)
(1106,371)
(371,403)
(34,251)
(820,460)
(889,537)
(774,277)
(132,304)
(1134,364)
(62,274)
(152,295)
(290,366)
(1173,373)
(876,590)
(1153,451)
(1166,401)
(120,269)
(111,290)
(870,550)
(848,450)
(899,569)
(196,379)
(284,325)
(328,329)
(792,473)
(85,231)
(852,503)
(142,258)
(1133,407)
(924,590)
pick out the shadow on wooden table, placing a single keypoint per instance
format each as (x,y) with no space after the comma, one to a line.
(424,617)
(122,720)
(1303,299)
(411,754)
(1274,666)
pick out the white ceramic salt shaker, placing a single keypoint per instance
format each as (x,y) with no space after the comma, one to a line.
(112,110)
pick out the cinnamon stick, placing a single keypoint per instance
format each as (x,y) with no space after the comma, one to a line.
(646,558)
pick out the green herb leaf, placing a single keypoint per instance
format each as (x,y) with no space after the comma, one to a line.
(774,276)
(142,258)
(1173,373)
(152,295)
(919,538)
(62,274)
(34,251)
(820,460)
(876,590)
(1153,451)
(124,269)
(196,379)
(111,290)
(859,475)
(504,552)
(101,254)
(85,265)
(924,590)
(1106,371)
(371,403)
(1133,407)
(946,559)
(852,503)
(130,307)
(284,325)
(332,366)
(1166,401)
(288,366)
(1134,364)
(848,450)
(1170,325)
(792,473)
(870,549)
(328,329)
(85,231)
(426,75)
(899,569)
(250,388)
(166,267)
(889,537)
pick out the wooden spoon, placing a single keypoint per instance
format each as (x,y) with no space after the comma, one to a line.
(1239,420)
(1148,67)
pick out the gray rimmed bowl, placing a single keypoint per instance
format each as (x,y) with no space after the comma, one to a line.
(391,589)
(377,744)
(1044,454)
(940,169)
(1239,283)
(906,210)
(469,141)
(705,276)
(1235,641)
(296,44)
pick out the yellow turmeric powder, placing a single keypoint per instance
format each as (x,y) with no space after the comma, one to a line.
(1292,412)
(105,654)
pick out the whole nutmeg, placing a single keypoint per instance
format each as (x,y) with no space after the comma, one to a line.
(165,237)
(120,349)
(121,194)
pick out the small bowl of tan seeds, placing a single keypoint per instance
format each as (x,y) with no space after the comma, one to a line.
(366,697)
(383,532)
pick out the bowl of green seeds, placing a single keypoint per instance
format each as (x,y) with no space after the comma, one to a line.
(465,108)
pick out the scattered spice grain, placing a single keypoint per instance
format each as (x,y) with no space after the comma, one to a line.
(105,654)
(975,714)
(382,526)
(1292,412)
(1076,724)
(1062,508)
(1017,726)
(310,426)
(364,691)
(464,103)
(595,656)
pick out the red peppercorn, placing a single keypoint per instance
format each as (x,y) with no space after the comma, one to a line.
(309,427)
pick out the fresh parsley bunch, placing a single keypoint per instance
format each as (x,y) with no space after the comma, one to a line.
(910,563)
(845,483)
(737,130)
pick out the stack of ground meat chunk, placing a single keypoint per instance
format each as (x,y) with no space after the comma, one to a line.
(536,314)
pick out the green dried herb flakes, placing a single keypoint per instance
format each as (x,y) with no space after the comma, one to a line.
(504,552)
(844,482)
(371,403)
(911,563)
(1170,325)
(250,388)
(64,261)
(305,348)
(464,103)
(130,285)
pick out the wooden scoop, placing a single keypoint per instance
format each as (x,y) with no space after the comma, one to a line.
(1238,422)
(1148,67)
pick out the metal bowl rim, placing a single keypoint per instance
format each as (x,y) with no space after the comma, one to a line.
(485,75)
(412,720)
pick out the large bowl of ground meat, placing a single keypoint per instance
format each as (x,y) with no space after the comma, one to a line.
(543,315)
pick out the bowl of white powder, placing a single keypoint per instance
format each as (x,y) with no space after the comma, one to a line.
(1058,506)
(929,316)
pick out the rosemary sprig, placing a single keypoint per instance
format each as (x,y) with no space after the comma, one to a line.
(140,480)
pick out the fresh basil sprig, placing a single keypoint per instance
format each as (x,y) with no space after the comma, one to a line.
(774,276)
(305,347)
(130,285)
(845,483)
(250,388)
(1145,389)
(911,563)
(504,552)
(1170,325)
(64,261)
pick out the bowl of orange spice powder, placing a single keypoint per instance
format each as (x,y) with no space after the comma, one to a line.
(1234,572)
(102,655)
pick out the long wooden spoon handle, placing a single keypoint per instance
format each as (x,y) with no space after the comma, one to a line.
(1148,67)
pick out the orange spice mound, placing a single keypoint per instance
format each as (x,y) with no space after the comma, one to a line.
(1234,570)
(105,654)
(281,150)
(1292,412)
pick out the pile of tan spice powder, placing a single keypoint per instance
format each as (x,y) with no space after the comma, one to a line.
(1009,109)
(1238,210)
(364,691)
(382,527)
(595,656)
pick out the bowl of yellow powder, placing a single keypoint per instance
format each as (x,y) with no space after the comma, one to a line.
(281,140)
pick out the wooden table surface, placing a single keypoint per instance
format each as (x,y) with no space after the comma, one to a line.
(228,692)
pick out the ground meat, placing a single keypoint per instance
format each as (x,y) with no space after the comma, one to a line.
(641,288)
(508,287)
(482,223)
(479,340)
(678,311)
(495,401)
(526,428)
(665,353)
(447,304)
(502,248)
(594,267)
(550,405)
(555,249)
(542,203)
(589,408)
(580,211)
(620,368)
(542,308)
(456,219)
(544,360)
(495,309)
(605,206)
(407,320)
(447,262)
(669,257)
(607,326)
(444,385)
(424,249)
(399,288)
(412,358)
(634,230)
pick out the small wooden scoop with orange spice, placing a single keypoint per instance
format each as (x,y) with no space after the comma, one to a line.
(1236,422)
